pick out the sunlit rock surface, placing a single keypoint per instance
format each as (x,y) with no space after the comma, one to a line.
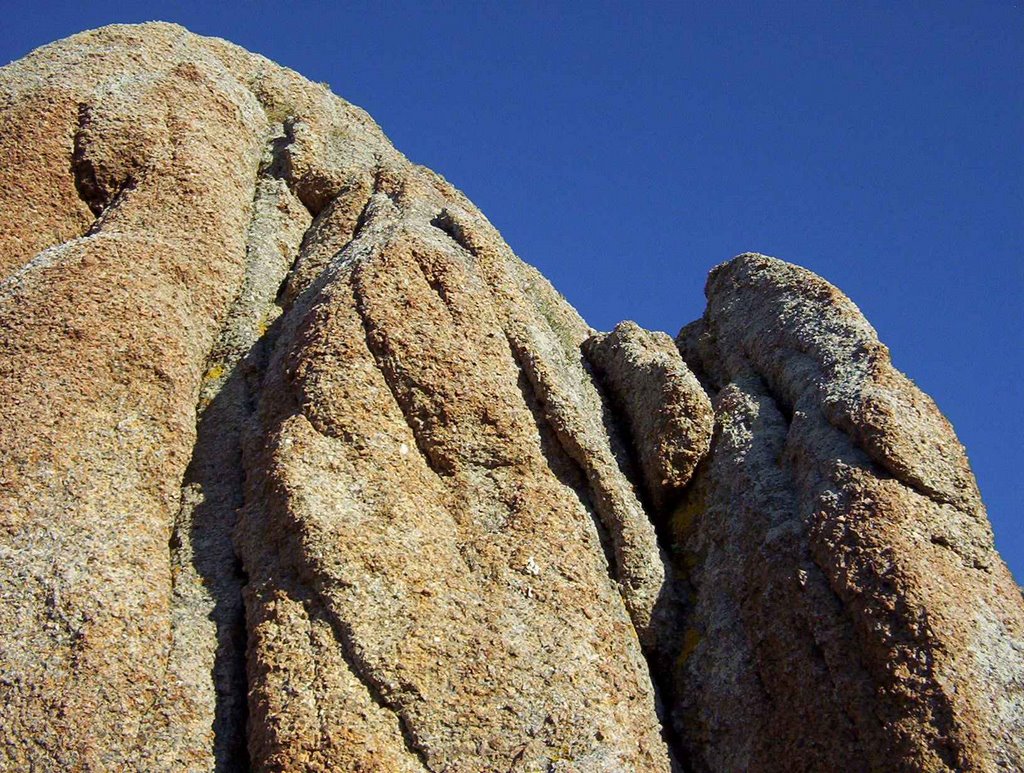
(301,468)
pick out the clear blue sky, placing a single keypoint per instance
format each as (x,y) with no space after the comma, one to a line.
(624,151)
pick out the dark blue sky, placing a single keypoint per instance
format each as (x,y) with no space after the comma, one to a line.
(625,151)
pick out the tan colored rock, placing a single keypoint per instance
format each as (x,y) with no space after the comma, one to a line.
(669,415)
(851,611)
(103,342)
(301,468)
(227,292)
(407,488)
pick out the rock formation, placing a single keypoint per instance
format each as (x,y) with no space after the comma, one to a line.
(849,610)
(301,468)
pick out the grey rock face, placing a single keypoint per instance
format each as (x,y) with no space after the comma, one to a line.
(845,578)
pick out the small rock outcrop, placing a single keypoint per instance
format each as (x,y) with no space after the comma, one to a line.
(301,468)
(669,415)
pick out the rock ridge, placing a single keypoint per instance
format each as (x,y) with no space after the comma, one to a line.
(301,468)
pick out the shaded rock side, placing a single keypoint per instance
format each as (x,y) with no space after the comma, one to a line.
(292,442)
(849,610)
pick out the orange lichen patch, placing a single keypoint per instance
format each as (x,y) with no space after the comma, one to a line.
(685,516)
(691,638)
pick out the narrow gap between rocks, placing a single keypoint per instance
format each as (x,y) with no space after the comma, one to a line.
(212,493)
(659,661)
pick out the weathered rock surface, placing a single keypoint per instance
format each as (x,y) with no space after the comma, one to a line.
(357,363)
(669,415)
(302,469)
(850,610)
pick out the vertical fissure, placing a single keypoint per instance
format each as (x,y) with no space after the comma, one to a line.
(208,573)
(669,619)
(82,168)
(662,616)
(378,694)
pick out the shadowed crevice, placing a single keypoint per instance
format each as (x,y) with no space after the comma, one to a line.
(98,195)
(86,184)
(562,459)
(212,493)
(209,573)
